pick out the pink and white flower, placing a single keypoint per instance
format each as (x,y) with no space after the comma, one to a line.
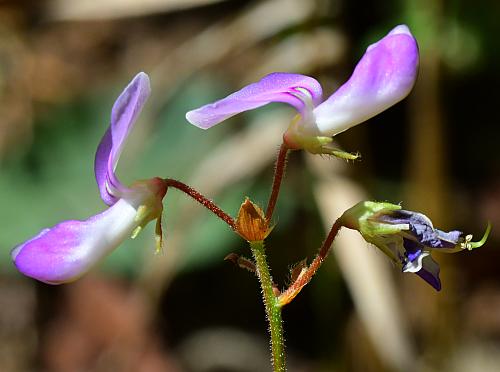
(384,76)
(68,250)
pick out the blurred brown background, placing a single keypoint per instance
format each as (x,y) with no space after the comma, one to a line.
(62,64)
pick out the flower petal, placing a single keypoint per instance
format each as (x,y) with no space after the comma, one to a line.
(422,230)
(123,116)
(68,250)
(415,262)
(421,263)
(430,272)
(300,91)
(384,76)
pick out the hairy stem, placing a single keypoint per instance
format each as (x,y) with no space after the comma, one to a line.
(306,275)
(279,170)
(207,203)
(272,305)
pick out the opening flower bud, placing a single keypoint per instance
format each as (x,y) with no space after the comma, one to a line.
(251,223)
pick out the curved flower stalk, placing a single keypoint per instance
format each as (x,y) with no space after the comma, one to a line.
(407,237)
(68,250)
(384,76)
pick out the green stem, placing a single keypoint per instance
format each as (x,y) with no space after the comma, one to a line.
(273,308)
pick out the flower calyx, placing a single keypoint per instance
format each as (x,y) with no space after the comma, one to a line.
(297,137)
(148,196)
(251,223)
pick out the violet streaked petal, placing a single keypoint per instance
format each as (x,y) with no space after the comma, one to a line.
(430,272)
(433,238)
(420,226)
(421,263)
(415,262)
(453,237)
(123,116)
(68,250)
(412,256)
(300,91)
(384,76)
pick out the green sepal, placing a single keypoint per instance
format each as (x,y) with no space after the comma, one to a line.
(383,243)
(342,154)
(158,236)
(362,216)
(314,144)
(319,145)
(298,136)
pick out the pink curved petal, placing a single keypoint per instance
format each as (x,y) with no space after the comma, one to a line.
(123,116)
(299,91)
(68,250)
(384,76)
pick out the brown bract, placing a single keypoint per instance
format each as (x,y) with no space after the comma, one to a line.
(251,223)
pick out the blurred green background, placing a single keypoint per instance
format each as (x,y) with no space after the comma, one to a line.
(62,64)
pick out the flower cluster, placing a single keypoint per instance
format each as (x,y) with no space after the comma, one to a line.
(384,76)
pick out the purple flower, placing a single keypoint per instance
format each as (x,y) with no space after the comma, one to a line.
(417,241)
(407,237)
(68,250)
(384,76)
